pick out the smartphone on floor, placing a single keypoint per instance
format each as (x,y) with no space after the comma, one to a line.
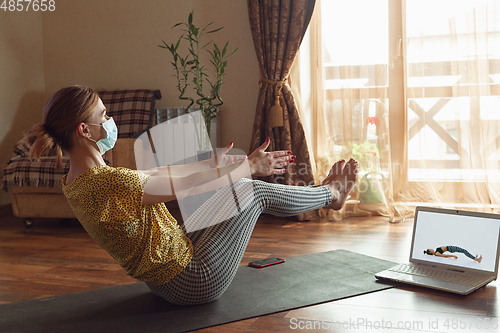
(266,262)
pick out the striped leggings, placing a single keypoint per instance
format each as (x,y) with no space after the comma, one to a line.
(219,248)
(453,249)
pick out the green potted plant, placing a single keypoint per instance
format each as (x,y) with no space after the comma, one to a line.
(369,187)
(190,72)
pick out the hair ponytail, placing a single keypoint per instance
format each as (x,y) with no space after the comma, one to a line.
(64,111)
(43,142)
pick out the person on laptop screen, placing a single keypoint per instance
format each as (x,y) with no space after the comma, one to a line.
(440,252)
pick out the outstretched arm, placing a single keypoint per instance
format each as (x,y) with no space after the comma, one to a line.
(166,183)
(220,159)
(165,187)
(261,163)
(178,170)
(445,255)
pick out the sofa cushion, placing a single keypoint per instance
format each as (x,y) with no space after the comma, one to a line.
(22,172)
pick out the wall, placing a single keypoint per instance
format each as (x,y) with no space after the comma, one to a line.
(113,44)
(21,80)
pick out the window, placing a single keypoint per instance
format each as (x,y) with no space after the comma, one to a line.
(432,64)
(453,62)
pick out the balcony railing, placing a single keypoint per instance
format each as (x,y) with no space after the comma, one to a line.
(430,89)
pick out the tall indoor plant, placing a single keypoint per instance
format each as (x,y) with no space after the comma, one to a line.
(190,72)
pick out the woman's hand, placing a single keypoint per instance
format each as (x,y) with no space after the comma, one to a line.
(221,159)
(264,163)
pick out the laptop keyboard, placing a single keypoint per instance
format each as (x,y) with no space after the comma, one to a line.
(438,274)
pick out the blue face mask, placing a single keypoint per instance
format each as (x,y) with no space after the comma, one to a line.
(112,135)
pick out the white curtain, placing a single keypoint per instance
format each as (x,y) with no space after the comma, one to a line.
(449,57)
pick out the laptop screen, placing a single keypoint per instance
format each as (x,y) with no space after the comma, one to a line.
(459,235)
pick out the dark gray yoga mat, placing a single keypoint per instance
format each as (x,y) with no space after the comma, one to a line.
(300,281)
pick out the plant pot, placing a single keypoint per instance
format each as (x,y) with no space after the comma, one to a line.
(369,188)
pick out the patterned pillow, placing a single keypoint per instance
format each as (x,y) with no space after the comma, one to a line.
(20,171)
(132,110)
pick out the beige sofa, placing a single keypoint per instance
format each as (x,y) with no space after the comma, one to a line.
(35,186)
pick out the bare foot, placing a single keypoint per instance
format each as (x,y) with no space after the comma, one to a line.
(478,258)
(334,170)
(341,184)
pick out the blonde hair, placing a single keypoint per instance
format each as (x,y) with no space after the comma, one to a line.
(62,114)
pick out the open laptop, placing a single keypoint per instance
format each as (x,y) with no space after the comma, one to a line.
(477,233)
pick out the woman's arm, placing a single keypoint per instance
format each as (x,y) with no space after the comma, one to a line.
(166,183)
(450,256)
(445,255)
(164,187)
(178,170)
(261,163)
(219,159)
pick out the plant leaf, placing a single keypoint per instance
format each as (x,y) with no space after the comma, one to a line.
(233,52)
(212,31)
(194,30)
(205,28)
(224,49)
(204,46)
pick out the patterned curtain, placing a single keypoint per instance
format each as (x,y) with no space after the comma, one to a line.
(278,27)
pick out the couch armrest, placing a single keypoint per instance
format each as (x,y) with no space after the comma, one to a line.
(122,154)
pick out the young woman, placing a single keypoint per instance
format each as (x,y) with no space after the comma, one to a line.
(123,210)
(452,249)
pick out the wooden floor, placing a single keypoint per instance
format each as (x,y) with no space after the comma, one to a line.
(56,257)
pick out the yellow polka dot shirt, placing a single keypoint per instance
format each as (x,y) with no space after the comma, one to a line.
(145,240)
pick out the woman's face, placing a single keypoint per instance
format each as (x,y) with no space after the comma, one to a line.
(431,251)
(99,116)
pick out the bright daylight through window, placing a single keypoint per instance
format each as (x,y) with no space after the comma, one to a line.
(449,56)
